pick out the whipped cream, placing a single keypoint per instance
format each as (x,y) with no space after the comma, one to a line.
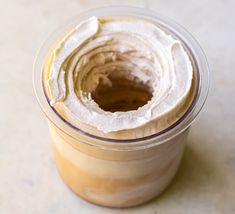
(99,48)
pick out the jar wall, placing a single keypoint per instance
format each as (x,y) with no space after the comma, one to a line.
(131,178)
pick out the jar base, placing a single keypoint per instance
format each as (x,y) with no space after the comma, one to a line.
(64,167)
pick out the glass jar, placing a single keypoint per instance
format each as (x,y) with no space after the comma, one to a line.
(121,172)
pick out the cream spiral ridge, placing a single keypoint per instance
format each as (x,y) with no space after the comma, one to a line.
(99,48)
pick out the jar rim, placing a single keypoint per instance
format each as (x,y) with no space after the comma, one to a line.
(196,52)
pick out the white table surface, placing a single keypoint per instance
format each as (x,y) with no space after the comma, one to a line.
(29,182)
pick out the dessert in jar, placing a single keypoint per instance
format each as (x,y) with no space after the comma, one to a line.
(117,86)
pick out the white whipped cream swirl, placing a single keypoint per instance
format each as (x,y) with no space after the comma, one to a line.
(100,47)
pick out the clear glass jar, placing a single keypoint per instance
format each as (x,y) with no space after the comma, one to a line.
(121,172)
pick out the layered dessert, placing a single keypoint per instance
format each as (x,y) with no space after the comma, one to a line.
(120,78)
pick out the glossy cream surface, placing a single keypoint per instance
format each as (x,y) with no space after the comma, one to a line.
(105,52)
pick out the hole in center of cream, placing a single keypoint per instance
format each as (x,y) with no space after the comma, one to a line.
(124,94)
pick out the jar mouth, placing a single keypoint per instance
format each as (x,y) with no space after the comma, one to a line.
(198,59)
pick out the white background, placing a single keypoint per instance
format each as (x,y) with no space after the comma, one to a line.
(29,182)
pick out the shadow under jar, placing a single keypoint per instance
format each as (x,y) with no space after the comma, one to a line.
(117,169)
